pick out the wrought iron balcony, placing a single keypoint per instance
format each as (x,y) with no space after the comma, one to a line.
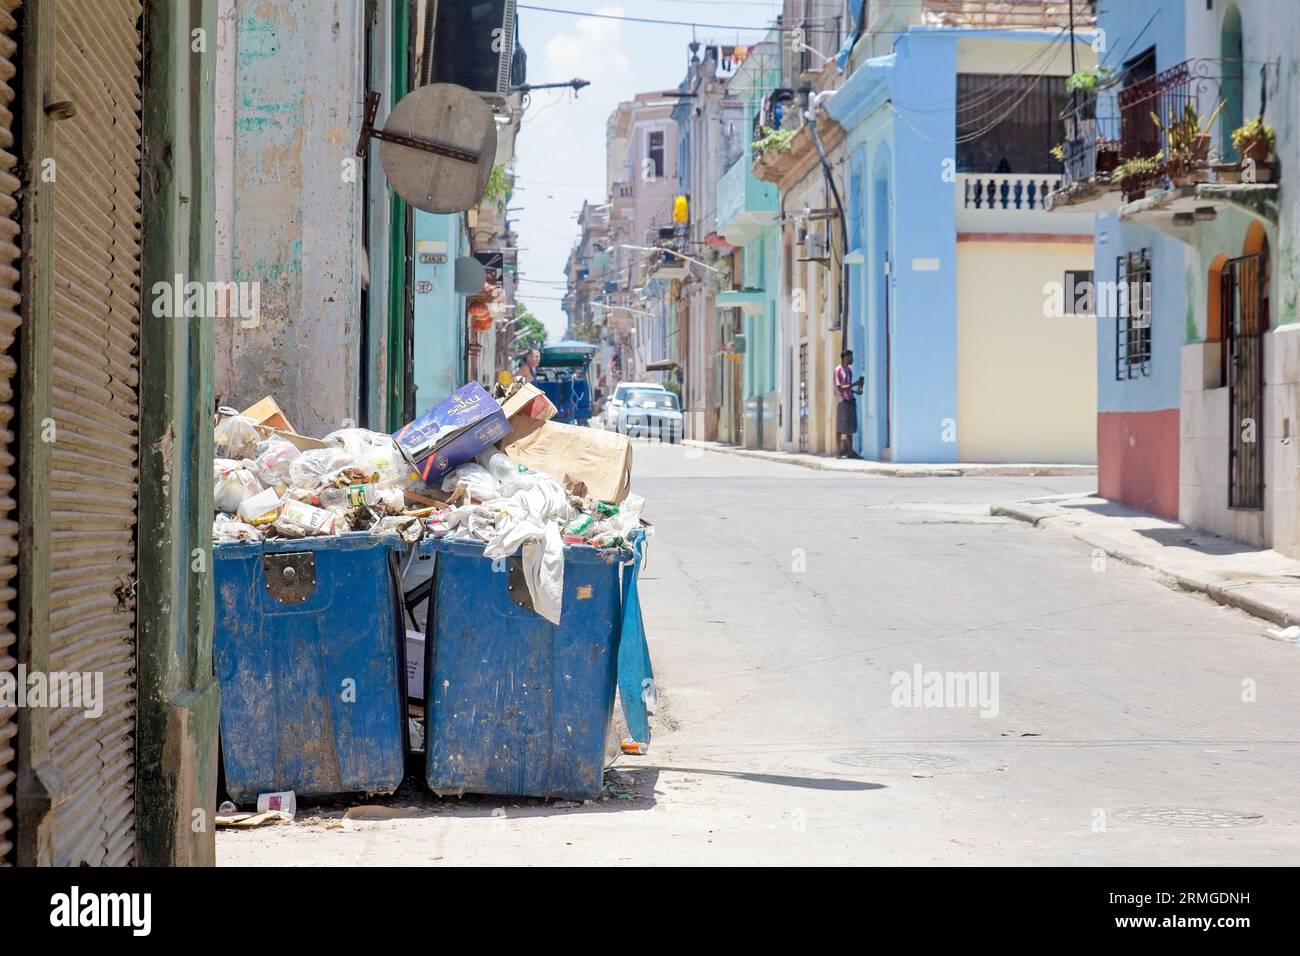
(1166,123)
(1153,133)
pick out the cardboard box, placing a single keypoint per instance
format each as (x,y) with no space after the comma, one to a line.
(602,460)
(267,412)
(453,432)
(531,401)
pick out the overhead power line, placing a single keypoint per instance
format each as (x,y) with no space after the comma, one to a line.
(671,23)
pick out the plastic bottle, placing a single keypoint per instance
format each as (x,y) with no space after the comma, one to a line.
(370,494)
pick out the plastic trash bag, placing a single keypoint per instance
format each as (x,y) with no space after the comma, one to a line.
(233,482)
(226,528)
(274,458)
(478,481)
(373,452)
(316,467)
(236,436)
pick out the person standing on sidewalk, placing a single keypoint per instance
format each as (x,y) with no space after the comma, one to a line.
(846,410)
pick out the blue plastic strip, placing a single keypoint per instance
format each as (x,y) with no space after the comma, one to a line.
(635,676)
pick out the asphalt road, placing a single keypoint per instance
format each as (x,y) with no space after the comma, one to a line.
(1070,709)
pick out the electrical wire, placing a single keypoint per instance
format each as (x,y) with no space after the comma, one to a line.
(657,21)
(993,93)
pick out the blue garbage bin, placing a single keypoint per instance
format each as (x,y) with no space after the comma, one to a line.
(309,650)
(517,706)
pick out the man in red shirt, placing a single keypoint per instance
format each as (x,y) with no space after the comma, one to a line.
(846,410)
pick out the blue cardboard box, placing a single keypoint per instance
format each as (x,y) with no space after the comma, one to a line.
(453,432)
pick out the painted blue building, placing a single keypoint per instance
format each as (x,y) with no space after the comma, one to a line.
(439,345)
(747,211)
(1198,365)
(953,254)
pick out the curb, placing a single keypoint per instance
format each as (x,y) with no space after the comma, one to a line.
(1221,590)
(887,470)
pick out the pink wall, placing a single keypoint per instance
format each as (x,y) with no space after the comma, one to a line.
(1137,460)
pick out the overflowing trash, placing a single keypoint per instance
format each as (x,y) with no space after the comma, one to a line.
(475,466)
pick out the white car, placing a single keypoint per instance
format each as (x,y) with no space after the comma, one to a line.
(616,401)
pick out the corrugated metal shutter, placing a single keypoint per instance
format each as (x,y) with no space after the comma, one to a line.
(9,317)
(94,382)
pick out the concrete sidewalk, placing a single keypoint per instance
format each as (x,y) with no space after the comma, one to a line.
(1261,582)
(892,469)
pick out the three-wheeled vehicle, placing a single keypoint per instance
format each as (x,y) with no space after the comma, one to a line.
(563,376)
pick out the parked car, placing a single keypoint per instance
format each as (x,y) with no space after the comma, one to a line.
(615,401)
(651,413)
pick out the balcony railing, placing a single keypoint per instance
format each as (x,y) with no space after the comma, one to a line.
(1150,133)
(1008,191)
(1092,143)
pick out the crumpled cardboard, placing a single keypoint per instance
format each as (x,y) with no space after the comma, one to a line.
(267,412)
(529,400)
(571,453)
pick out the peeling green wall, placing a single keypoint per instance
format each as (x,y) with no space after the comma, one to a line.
(176,763)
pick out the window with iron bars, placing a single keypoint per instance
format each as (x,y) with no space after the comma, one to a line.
(1133,314)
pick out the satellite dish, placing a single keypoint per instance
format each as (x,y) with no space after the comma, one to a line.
(437,148)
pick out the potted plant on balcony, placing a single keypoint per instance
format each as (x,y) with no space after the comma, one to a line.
(1254,141)
(1201,139)
(1135,174)
(770,149)
(1188,144)
(1087,81)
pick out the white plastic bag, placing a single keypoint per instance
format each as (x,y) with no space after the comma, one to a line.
(226,528)
(232,483)
(315,467)
(235,435)
(374,452)
(478,481)
(274,457)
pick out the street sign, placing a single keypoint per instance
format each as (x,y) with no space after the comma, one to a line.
(437,147)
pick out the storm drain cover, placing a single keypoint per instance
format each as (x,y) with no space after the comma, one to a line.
(1194,817)
(897,762)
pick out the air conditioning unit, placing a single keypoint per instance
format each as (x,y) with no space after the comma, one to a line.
(474,45)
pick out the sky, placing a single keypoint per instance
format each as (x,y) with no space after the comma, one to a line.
(561,146)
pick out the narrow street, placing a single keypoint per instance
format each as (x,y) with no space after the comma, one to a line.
(782,600)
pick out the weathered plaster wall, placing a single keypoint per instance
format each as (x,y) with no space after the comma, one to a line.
(294,213)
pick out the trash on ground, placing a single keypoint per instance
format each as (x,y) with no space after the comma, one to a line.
(1291,633)
(282,801)
(379,812)
(248,820)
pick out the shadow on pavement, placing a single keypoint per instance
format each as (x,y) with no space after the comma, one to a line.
(781,780)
